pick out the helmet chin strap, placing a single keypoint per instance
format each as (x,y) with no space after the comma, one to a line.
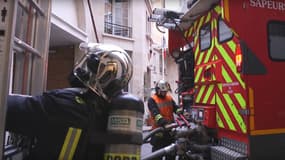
(99,92)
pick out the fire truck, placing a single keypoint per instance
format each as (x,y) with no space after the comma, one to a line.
(231,60)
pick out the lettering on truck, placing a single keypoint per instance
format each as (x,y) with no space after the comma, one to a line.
(268,4)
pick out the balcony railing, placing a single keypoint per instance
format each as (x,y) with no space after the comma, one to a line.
(118,30)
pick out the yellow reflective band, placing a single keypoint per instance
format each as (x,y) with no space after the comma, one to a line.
(200,58)
(217,9)
(215,25)
(201,91)
(190,32)
(208,17)
(235,113)
(214,59)
(121,156)
(209,53)
(226,75)
(157,117)
(79,100)
(214,77)
(232,46)
(196,38)
(225,113)
(206,97)
(179,110)
(240,100)
(231,64)
(201,22)
(213,100)
(198,74)
(195,25)
(70,144)
(219,121)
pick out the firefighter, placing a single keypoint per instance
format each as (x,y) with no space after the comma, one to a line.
(162,108)
(66,122)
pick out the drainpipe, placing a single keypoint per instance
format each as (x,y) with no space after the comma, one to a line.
(93,22)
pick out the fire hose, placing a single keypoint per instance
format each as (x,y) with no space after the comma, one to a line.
(183,146)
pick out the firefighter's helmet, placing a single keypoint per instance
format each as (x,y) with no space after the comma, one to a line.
(104,68)
(162,86)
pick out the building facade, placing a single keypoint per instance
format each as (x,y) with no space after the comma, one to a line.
(123,23)
(42,38)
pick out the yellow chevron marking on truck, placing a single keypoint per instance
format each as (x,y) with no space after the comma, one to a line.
(235,112)
(209,91)
(208,17)
(219,121)
(201,22)
(232,46)
(225,113)
(200,58)
(201,91)
(218,9)
(231,64)
(241,100)
(226,75)
(198,74)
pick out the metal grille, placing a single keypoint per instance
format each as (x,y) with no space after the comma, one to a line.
(234,145)
(223,153)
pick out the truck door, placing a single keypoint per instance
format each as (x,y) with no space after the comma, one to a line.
(231,91)
(264,67)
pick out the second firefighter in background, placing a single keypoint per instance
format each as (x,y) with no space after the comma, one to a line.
(162,108)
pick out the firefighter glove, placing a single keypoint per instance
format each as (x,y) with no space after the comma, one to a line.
(160,121)
(179,111)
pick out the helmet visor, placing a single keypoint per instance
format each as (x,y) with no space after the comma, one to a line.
(86,74)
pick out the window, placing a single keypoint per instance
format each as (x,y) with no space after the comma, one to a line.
(205,36)
(117,18)
(29,47)
(276,40)
(224,32)
(30,43)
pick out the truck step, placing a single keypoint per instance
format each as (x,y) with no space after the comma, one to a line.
(223,153)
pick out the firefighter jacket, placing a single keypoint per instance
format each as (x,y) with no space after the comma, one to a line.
(161,108)
(62,121)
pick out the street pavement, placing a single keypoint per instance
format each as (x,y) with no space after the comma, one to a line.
(146,148)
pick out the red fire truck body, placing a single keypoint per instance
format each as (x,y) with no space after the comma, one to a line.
(239,74)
